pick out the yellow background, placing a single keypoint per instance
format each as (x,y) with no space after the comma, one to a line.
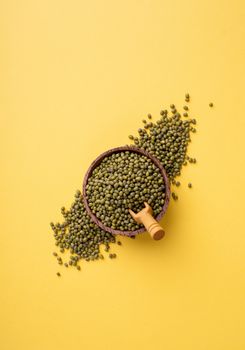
(76,78)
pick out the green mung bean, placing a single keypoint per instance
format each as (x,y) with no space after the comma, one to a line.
(174,196)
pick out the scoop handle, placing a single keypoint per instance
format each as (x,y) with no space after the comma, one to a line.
(152,226)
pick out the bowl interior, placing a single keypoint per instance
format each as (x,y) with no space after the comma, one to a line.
(97,161)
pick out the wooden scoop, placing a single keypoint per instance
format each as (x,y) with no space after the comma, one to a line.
(145,217)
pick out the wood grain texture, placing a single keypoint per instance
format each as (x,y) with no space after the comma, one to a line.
(97,161)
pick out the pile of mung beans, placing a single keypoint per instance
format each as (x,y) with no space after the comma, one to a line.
(118,184)
(168,140)
(80,235)
(124,180)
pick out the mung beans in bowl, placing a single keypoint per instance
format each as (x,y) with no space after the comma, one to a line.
(120,179)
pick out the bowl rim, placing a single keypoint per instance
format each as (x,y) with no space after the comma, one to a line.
(98,160)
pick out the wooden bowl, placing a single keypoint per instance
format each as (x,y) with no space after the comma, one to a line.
(97,161)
